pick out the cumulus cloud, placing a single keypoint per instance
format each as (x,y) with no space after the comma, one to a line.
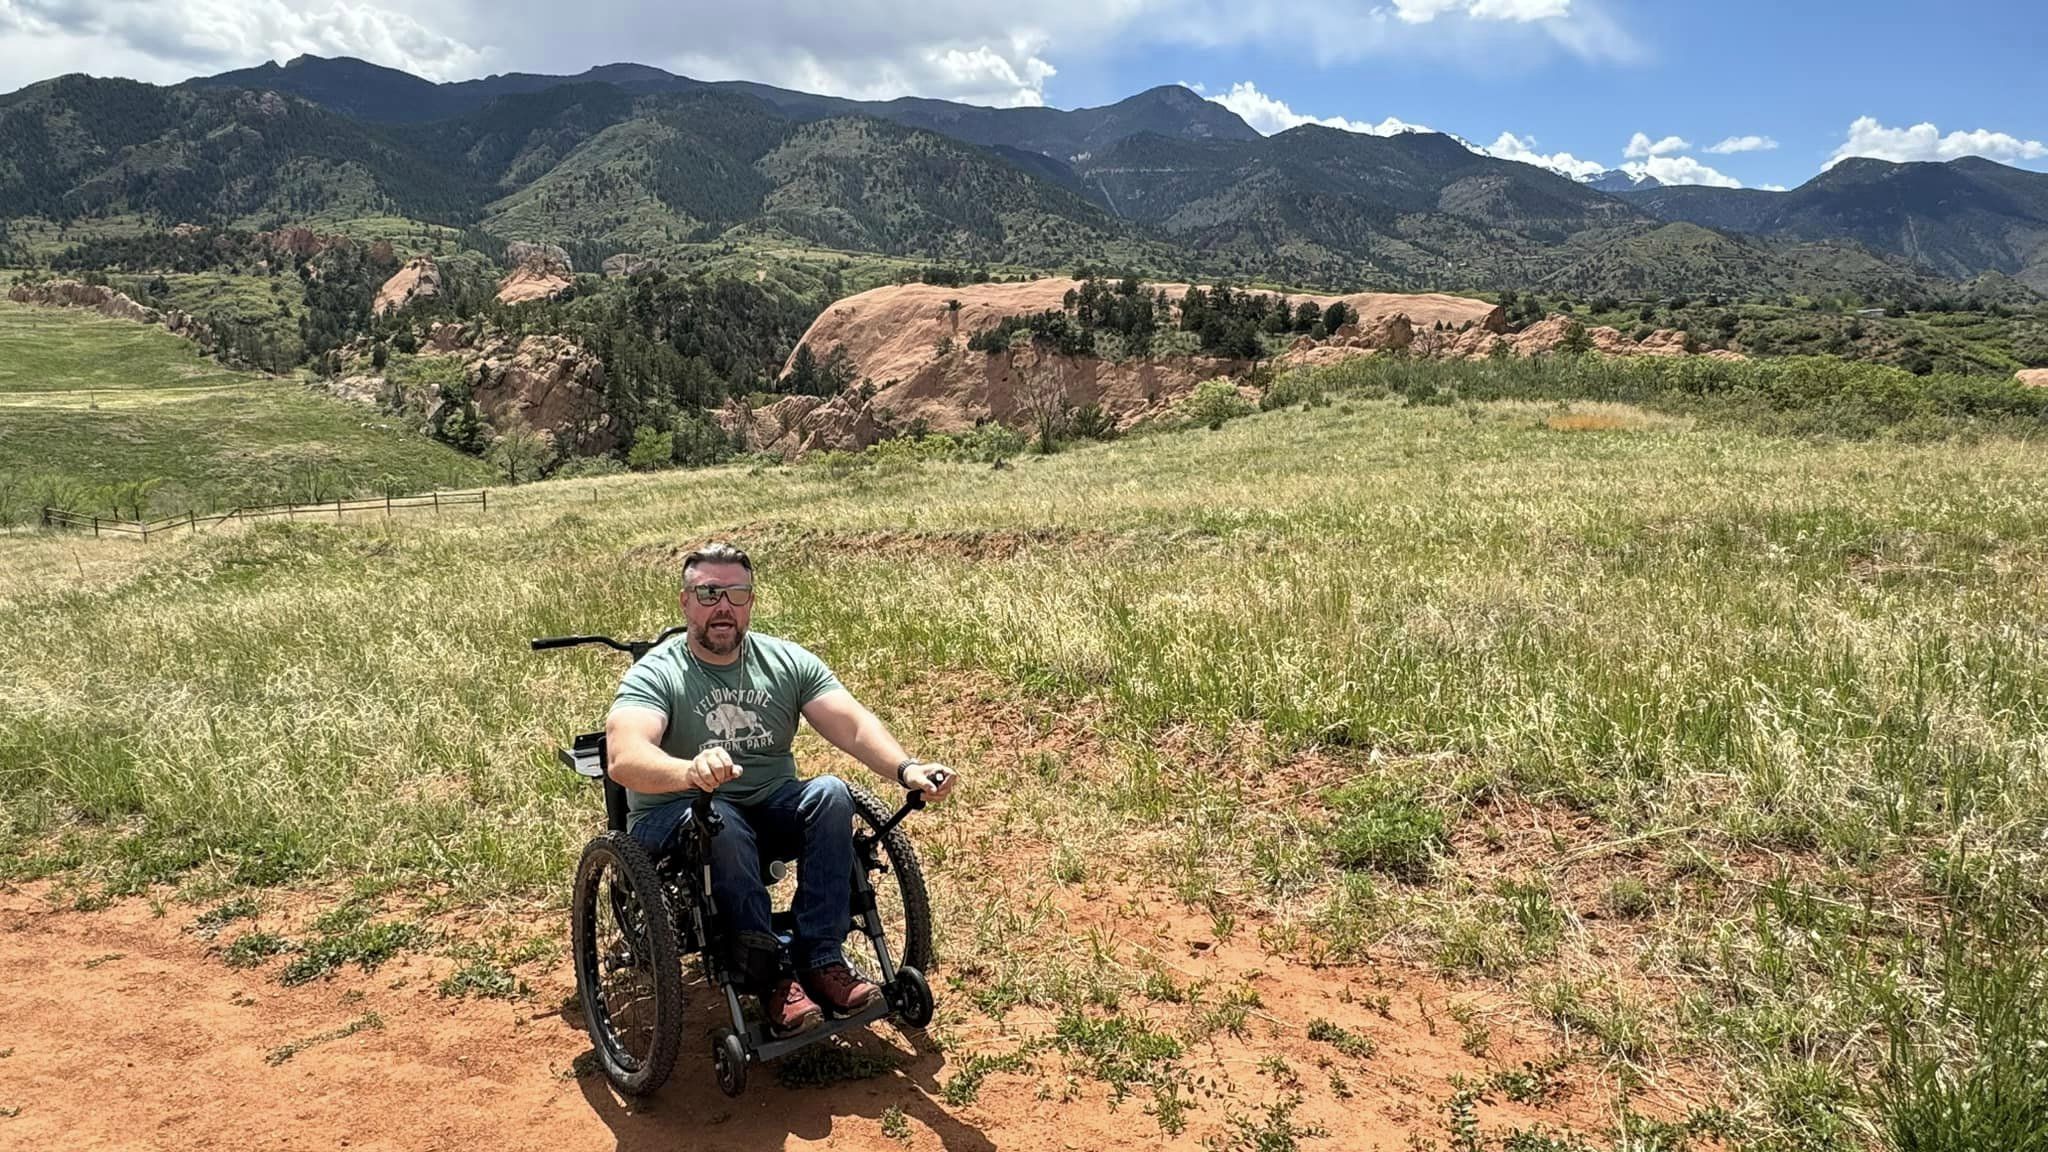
(1269,114)
(1001,54)
(1680,170)
(1523,148)
(1640,145)
(170,38)
(1735,144)
(1869,138)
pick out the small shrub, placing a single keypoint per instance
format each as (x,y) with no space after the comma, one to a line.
(251,949)
(582,467)
(1342,1039)
(1628,899)
(1214,402)
(651,449)
(1290,389)
(1385,826)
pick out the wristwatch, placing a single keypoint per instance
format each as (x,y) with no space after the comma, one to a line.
(906,762)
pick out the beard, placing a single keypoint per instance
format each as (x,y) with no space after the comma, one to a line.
(721,637)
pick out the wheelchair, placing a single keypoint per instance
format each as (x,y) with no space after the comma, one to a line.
(635,915)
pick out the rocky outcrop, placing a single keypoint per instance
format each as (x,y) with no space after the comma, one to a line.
(625,264)
(445,337)
(893,333)
(909,344)
(74,294)
(420,279)
(539,272)
(956,392)
(553,384)
(107,302)
(299,241)
(2033,377)
(1542,338)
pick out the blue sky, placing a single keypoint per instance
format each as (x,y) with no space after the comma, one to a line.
(1799,74)
(1566,82)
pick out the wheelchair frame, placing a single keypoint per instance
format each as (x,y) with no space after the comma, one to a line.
(703,930)
(697,925)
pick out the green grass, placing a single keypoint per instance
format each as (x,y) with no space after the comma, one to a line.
(1795,687)
(88,403)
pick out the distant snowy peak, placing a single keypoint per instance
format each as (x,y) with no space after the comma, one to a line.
(1616,180)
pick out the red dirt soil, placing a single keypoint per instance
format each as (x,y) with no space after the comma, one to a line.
(122,1031)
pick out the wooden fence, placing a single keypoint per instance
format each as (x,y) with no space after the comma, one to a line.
(193,522)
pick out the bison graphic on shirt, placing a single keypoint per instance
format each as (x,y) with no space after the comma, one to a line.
(730,722)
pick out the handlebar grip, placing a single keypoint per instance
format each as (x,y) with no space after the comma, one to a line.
(705,815)
(548,642)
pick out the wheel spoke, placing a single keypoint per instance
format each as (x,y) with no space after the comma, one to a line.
(624,984)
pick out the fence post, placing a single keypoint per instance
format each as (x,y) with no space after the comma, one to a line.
(387,505)
(337,508)
(437,503)
(191,521)
(95,527)
(486,501)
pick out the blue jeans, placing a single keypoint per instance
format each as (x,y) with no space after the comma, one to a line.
(810,821)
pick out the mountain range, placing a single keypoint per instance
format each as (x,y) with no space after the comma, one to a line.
(628,156)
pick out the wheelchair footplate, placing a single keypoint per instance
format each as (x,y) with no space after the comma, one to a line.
(764,1048)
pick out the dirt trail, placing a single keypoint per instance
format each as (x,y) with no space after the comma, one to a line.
(118,1029)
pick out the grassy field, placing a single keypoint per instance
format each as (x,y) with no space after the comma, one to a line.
(89,405)
(1723,753)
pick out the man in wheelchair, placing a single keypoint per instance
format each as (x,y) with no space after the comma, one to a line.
(714,711)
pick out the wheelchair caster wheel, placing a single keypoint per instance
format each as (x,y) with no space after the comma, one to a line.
(729,1058)
(913,998)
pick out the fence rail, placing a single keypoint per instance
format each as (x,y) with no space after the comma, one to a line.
(193,522)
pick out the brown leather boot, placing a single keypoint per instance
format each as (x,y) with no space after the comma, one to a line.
(842,991)
(789,1010)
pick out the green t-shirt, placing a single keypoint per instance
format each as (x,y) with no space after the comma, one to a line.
(749,707)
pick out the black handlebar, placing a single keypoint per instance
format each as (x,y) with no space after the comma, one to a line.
(634,648)
(548,642)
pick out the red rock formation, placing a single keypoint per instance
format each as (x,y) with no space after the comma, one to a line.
(420,279)
(539,272)
(73,294)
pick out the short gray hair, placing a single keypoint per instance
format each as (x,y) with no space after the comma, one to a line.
(716,552)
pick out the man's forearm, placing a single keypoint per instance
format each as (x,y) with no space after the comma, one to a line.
(648,769)
(873,746)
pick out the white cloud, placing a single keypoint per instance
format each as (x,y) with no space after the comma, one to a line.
(1867,137)
(1268,114)
(1002,54)
(1680,170)
(1771,187)
(1735,144)
(173,38)
(1514,11)
(1640,146)
(1512,147)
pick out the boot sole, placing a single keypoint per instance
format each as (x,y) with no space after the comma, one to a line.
(838,1013)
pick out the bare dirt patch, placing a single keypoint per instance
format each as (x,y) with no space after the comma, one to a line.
(125,1031)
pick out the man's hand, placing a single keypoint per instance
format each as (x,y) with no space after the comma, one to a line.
(934,780)
(710,768)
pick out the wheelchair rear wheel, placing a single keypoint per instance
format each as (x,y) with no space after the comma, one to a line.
(627,971)
(900,897)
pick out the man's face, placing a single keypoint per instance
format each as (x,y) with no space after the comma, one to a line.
(718,627)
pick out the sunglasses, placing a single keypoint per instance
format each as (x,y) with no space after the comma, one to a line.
(737,595)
